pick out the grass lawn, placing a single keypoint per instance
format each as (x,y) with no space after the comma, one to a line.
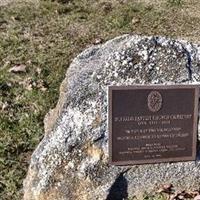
(44,36)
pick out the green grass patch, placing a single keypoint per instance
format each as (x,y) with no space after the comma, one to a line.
(175,2)
(46,37)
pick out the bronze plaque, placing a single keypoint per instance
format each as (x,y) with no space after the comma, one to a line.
(152,124)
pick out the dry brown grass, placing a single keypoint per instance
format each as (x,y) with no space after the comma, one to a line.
(47,35)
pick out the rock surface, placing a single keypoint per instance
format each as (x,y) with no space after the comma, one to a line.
(71,162)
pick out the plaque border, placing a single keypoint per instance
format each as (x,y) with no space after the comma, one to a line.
(196,88)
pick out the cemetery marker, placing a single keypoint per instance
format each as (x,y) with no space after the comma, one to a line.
(152,124)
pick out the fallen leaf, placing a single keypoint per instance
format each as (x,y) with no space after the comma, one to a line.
(197,197)
(29,62)
(12,18)
(18,69)
(29,87)
(43,89)
(166,188)
(181,196)
(4,106)
(160,190)
(135,21)
(194,193)
(98,41)
(38,70)
(172,197)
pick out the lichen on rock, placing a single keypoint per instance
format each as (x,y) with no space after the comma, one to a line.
(71,162)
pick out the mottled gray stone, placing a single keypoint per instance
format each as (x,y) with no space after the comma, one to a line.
(71,162)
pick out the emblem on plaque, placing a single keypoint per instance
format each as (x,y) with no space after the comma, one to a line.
(154,101)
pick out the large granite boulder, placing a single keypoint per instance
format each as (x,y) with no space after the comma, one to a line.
(71,162)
